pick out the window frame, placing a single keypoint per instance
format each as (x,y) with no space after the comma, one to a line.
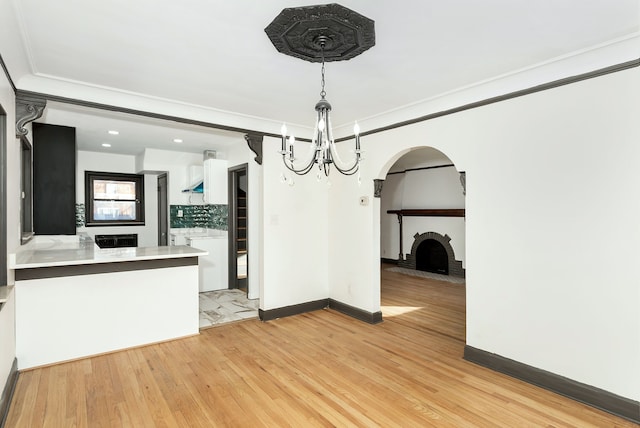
(91,176)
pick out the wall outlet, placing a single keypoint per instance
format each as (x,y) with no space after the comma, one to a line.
(180,213)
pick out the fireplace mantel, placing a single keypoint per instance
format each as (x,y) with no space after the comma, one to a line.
(455,212)
(429,212)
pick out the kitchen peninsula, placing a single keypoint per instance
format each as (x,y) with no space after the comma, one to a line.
(74,299)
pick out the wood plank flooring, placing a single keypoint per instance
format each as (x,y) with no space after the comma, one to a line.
(313,370)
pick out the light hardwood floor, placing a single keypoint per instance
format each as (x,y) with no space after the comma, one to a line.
(315,369)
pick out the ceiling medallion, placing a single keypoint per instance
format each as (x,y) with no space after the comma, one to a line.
(297,32)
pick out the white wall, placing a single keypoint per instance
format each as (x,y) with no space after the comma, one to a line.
(353,241)
(177,165)
(107,162)
(551,231)
(7,338)
(295,229)
(9,45)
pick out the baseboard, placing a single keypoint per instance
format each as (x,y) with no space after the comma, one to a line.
(587,394)
(389,261)
(287,311)
(301,308)
(357,313)
(7,393)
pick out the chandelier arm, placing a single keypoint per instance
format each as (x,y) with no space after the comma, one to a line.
(312,159)
(300,171)
(349,171)
(340,164)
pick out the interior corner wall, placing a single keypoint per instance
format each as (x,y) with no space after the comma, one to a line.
(551,226)
(295,231)
(354,242)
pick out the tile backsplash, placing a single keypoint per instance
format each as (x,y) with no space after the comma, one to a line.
(80,216)
(209,216)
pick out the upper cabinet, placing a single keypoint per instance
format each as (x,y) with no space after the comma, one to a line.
(215,181)
(54,179)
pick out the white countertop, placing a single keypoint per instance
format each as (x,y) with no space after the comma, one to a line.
(47,251)
(199,233)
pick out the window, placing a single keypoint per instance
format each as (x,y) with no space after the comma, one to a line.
(114,199)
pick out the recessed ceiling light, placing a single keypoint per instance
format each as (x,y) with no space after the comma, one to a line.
(114,132)
(106,145)
(177,140)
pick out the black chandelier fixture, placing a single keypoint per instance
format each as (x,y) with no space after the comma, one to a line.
(322,33)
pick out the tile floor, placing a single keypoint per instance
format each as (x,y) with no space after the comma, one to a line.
(222,306)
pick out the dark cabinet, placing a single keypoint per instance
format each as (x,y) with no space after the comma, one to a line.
(54,179)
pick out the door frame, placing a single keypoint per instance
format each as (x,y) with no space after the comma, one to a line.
(232,221)
(3,197)
(163,225)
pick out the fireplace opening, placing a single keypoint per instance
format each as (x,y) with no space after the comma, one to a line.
(431,256)
(432,252)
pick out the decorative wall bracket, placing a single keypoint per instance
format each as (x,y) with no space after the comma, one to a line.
(255,144)
(28,109)
(377,187)
(463,181)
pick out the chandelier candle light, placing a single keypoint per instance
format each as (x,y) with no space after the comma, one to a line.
(321,33)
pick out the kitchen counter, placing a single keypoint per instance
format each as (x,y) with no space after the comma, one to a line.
(183,236)
(74,300)
(49,251)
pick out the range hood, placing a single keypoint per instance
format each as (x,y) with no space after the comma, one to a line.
(196,174)
(196,179)
(197,187)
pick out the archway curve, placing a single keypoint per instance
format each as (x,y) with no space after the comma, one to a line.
(386,167)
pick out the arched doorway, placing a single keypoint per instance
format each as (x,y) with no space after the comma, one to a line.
(422,230)
(423,197)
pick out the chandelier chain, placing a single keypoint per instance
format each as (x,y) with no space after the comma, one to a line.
(322,92)
(323,152)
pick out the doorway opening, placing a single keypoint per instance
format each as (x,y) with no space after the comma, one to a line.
(238,227)
(422,224)
(163,211)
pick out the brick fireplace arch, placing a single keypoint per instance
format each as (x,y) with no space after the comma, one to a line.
(455,266)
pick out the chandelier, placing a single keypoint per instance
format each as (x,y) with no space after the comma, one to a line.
(321,33)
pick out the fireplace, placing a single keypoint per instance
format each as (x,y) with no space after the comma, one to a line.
(432,252)
(431,256)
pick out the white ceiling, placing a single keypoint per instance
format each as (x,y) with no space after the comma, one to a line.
(135,133)
(215,53)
